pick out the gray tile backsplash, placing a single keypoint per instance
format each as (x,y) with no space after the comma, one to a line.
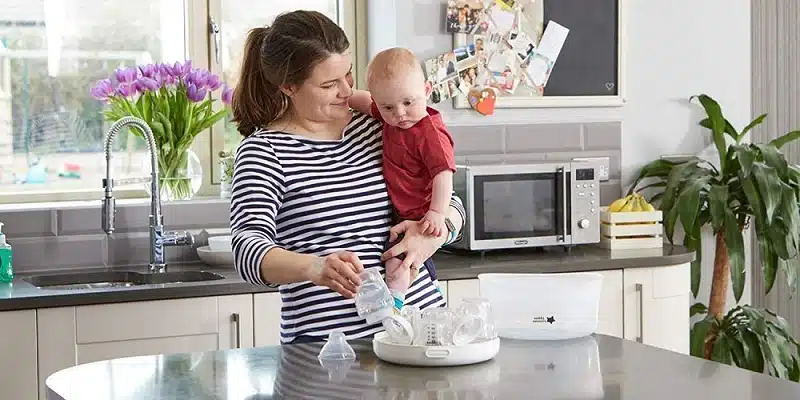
(69,236)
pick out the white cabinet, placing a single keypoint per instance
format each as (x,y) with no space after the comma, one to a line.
(656,306)
(267,319)
(18,354)
(69,336)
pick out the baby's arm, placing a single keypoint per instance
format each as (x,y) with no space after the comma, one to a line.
(440,202)
(361,101)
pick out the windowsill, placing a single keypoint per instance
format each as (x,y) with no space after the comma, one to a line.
(73,205)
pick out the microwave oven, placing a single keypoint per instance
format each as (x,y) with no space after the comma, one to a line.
(535,204)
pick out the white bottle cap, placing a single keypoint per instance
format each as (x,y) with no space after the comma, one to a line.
(2,235)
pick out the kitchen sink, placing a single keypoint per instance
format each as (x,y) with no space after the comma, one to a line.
(110,279)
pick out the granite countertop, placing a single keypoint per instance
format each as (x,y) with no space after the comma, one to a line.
(449,266)
(593,367)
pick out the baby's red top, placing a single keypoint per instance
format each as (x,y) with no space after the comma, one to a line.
(411,158)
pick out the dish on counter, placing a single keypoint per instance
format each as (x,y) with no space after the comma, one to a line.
(220,243)
(215,258)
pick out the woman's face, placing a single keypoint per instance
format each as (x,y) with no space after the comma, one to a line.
(323,96)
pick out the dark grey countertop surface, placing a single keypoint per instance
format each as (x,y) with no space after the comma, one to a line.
(450,266)
(593,367)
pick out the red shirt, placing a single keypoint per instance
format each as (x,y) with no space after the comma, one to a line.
(411,158)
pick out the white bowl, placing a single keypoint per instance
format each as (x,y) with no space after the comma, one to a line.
(220,243)
(215,258)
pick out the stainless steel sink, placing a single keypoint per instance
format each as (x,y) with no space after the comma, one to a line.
(106,279)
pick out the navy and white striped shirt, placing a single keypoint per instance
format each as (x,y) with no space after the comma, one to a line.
(316,197)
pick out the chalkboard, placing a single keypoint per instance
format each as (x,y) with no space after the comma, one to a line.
(589,70)
(588,62)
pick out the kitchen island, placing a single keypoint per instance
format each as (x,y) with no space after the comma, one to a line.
(593,367)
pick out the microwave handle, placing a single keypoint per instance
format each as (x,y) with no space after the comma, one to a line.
(562,203)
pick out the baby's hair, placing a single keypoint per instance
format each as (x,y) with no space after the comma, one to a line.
(393,62)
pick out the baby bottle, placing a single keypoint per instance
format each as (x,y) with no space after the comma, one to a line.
(373,299)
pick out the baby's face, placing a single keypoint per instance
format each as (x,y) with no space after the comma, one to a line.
(401,101)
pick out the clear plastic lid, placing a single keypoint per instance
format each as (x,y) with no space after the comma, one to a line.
(337,348)
(399,329)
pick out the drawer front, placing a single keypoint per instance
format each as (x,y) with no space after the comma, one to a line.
(146,319)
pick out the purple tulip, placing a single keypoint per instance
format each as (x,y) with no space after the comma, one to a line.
(213,82)
(149,70)
(194,93)
(198,78)
(227,95)
(180,70)
(144,84)
(126,89)
(102,90)
(126,74)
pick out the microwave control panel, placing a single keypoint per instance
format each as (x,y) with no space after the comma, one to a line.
(585,207)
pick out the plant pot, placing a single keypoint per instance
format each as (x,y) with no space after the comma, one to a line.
(226,175)
(180,177)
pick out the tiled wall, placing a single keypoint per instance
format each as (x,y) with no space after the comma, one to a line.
(58,237)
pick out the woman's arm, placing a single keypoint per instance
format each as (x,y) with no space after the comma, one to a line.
(258,188)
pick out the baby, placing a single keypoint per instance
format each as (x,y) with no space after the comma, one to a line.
(418,160)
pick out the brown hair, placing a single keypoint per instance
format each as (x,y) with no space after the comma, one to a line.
(281,54)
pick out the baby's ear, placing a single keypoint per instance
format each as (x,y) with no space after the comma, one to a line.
(428,88)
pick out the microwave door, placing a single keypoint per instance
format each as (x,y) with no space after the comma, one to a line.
(519,210)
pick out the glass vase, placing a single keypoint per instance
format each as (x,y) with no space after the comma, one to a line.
(180,177)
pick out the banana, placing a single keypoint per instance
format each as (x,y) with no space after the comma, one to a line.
(648,206)
(628,207)
(618,204)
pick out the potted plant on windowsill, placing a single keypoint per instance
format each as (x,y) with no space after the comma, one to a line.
(754,186)
(177,102)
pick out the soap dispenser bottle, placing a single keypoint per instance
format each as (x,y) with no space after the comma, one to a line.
(6,271)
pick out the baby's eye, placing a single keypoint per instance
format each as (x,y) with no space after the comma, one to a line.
(407,102)
(388,108)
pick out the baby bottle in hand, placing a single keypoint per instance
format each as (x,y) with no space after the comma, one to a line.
(373,299)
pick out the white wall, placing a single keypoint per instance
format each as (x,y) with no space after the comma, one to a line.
(674,49)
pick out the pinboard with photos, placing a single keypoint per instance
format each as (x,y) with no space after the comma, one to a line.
(530,53)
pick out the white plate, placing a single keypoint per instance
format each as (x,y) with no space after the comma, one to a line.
(433,356)
(215,258)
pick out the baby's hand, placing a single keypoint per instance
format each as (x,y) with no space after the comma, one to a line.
(433,223)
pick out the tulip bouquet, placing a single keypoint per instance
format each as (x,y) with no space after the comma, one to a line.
(176,102)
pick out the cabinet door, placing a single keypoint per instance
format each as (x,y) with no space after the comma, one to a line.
(70,336)
(267,319)
(18,354)
(656,306)
(461,289)
(610,316)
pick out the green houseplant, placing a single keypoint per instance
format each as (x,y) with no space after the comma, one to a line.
(753,186)
(176,101)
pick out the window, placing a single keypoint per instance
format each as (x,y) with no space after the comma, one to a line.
(53,51)
(237,17)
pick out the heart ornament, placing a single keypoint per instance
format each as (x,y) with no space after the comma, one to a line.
(483,100)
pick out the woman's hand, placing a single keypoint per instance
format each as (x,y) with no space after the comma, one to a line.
(338,271)
(417,246)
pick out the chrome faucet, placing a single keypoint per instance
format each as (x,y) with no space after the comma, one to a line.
(158,238)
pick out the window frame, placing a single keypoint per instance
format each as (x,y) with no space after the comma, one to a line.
(208,144)
(352,16)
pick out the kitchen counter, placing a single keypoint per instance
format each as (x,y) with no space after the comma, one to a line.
(450,266)
(594,367)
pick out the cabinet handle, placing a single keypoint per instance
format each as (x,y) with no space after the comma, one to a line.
(237,330)
(213,30)
(640,292)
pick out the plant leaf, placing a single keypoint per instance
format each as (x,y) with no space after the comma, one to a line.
(698,334)
(746,158)
(697,308)
(735,244)
(689,201)
(787,138)
(774,158)
(769,188)
(717,204)
(757,121)
(718,125)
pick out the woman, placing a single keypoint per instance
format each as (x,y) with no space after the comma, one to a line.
(309,208)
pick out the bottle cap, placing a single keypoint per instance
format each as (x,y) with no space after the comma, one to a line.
(2,235)
(399,329)
(337,348)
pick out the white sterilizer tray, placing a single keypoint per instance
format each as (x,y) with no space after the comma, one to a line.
(433,356)
(543,306)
